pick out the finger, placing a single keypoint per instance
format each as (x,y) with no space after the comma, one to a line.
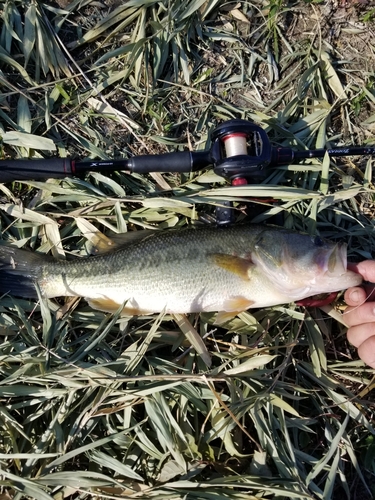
(360,333)
(355,296)
(366,351)
(366,268)
(361,314)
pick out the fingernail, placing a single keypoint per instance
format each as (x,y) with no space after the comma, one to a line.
(355,296)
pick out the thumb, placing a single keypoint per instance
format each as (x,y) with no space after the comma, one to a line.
(355,296)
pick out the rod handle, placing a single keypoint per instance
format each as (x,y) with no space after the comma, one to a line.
(21,170)
(180,161)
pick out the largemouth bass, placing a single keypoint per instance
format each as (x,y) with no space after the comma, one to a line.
(191,270)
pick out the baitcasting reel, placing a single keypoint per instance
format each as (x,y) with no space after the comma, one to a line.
(240,152)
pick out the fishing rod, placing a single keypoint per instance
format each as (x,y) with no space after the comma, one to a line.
(240,152)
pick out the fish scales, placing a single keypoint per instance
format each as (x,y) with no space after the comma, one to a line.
(191,270)
(171,265)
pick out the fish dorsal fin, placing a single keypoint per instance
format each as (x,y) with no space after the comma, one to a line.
(104,244)
(100,243)
(131,237)
(233,264)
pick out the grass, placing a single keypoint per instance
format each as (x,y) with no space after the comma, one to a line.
(275,404)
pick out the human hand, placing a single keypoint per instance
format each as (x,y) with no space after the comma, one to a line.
(360,315)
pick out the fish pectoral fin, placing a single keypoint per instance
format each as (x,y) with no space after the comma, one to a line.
(232,307)
(233,264)
(108,305)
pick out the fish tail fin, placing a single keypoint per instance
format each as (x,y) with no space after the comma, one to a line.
(20,271)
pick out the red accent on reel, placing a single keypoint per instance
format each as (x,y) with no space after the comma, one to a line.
(239,181)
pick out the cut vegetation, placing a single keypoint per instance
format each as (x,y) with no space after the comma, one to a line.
(273,404)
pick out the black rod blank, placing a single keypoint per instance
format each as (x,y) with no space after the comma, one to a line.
(260,155)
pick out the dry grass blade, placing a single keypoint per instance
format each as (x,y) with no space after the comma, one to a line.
(22,140)
(193,337)
(271,404)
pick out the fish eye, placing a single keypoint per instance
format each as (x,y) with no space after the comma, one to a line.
(318,241)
